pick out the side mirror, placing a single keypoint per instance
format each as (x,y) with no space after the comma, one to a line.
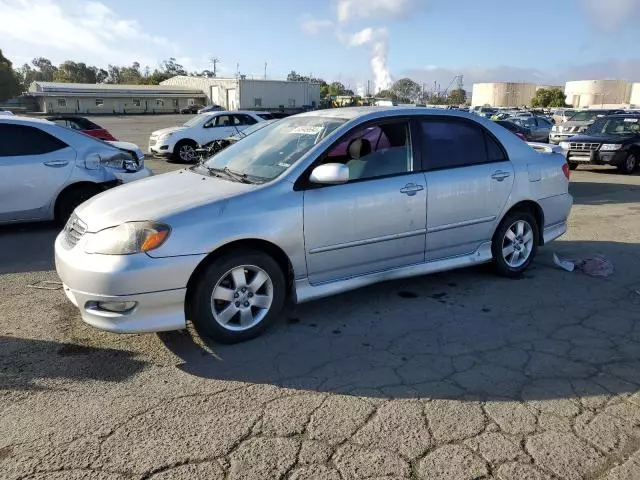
(330,174)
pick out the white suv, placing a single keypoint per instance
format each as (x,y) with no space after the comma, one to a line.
(180,143)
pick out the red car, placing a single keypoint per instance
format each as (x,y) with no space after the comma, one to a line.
(83,125)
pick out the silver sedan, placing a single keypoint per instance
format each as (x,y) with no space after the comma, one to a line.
(310,206)
(47,170)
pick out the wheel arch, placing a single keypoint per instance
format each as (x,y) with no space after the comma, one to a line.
(271,249)
(69,188)
(534,209)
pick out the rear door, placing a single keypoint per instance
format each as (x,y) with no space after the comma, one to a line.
(33,167)
(469,179)
(217,127)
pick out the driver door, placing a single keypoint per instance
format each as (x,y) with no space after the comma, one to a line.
(377,220)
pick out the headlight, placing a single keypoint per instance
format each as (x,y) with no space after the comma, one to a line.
(564,145)
(610,146)
(128,238)
(164,136)
(555,128)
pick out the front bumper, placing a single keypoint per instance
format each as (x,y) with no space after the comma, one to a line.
(556,138)
(160,148)
(156,285)
(127,177)
(596,157)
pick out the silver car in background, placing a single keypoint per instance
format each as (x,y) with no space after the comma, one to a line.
(310,206)
(46,170)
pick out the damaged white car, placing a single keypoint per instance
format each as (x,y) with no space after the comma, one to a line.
(46,171)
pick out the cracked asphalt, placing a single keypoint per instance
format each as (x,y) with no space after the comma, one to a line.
(460,375)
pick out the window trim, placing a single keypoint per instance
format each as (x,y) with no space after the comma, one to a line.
(303,183)
(482,128)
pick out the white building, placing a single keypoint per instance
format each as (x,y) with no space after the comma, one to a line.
(242,93)
(598,93)
(90,98)
(503,94)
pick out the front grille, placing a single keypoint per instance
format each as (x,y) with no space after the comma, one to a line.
(583,147)
(152,142)
(74,230)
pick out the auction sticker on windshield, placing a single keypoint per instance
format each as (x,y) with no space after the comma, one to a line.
(307,130)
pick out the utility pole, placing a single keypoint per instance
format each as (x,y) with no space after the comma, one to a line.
(265,70)
(215,61)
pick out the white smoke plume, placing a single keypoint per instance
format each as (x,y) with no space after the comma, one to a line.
(377,39)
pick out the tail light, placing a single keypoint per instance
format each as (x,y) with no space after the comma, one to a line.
(566,170)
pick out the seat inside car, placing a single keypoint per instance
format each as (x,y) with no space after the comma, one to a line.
(358,148)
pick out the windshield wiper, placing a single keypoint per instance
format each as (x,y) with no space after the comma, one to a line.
(240,177)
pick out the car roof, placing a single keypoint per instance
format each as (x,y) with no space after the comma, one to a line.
(351,113)
(21,119)
(62,117)
(625,115)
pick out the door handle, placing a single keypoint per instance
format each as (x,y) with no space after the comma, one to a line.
(57,163)
(411,189)
(500,175)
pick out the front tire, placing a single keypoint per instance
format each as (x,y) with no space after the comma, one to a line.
(70,199)
(629,165)
(237,296)
(515,243)
(185,151)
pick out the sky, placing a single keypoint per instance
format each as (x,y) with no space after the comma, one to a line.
(351,41)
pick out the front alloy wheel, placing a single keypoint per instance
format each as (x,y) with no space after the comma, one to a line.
(187,153)
(629,165)
(242,298)
(237,296)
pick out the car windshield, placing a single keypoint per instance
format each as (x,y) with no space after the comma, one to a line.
(252,128)
(195,120)
(271,150)
(615,126)
(586,116)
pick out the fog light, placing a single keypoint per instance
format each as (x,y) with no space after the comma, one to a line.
(117,307)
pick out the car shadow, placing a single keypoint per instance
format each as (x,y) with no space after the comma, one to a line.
(27,247)
(26,364)
(595,193)
(465,334)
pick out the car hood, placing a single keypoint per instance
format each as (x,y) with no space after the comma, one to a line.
(156,198)
(603,138)
(164,131)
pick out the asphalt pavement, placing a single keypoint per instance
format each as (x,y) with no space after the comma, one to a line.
(461,375)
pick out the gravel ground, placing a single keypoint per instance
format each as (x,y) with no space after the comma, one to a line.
(460,375)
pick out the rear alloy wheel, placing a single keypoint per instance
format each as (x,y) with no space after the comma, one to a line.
(185,152)
(515,243)
(238,296)
(629,165)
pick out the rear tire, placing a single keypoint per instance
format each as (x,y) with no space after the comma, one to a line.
(237,296)
(72,198)
(515,243)
(185,151)
(629,165)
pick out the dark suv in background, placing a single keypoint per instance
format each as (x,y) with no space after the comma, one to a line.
(612,140)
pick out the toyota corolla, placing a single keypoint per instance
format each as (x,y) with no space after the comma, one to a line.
(310,206)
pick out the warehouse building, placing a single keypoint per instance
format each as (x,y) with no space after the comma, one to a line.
(503,94)
(248,94)
(87,98)
(588,93)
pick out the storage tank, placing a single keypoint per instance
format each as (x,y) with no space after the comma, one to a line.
(503,94)
(586,93)
(635,94)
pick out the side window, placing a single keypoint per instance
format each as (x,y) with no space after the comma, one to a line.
(375,151)
(23,140)
(224,121)
(451,144)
